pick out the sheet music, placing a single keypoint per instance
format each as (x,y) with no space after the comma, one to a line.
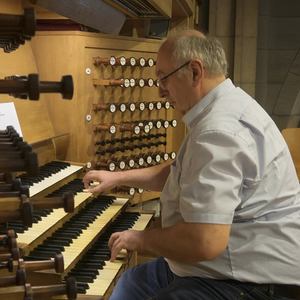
(9,117)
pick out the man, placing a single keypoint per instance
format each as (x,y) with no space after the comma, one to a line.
(230,202)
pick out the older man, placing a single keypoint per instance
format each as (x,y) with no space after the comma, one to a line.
(230,201)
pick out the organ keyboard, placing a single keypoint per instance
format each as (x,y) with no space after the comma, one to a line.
(47,221)
(106,277)
(49,175)
(76,235)
(94,273)
(73,251)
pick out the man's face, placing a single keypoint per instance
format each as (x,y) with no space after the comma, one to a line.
(174,88)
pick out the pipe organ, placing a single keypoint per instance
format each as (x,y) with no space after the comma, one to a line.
(54,234)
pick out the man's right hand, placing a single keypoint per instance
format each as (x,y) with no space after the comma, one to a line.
(106,181)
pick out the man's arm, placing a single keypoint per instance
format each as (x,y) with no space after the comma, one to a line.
(152,178)
(183,242)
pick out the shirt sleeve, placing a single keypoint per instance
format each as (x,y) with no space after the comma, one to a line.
(212,177)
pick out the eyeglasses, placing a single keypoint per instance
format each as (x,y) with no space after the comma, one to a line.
(161,81)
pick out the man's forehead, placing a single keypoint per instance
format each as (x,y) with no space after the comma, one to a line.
(163,61)
(162,65)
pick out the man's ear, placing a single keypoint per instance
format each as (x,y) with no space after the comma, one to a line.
(197,70)
(194,74)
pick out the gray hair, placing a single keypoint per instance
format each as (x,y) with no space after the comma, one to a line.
(209,50)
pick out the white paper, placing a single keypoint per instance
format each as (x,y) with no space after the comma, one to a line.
(9,117)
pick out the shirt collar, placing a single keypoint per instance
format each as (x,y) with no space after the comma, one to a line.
(199,107)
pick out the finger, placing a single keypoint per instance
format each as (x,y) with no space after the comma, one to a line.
(117,247)
(112,239)
(88,177)
(91,185)
(88,187)
(95,189)
(86,184)
(85,181)
(113,246)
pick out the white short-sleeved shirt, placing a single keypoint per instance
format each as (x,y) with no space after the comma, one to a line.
(234,167)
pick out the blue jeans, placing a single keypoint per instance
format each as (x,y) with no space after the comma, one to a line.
(155,281)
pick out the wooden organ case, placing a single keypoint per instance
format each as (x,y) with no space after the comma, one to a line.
(115,121)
